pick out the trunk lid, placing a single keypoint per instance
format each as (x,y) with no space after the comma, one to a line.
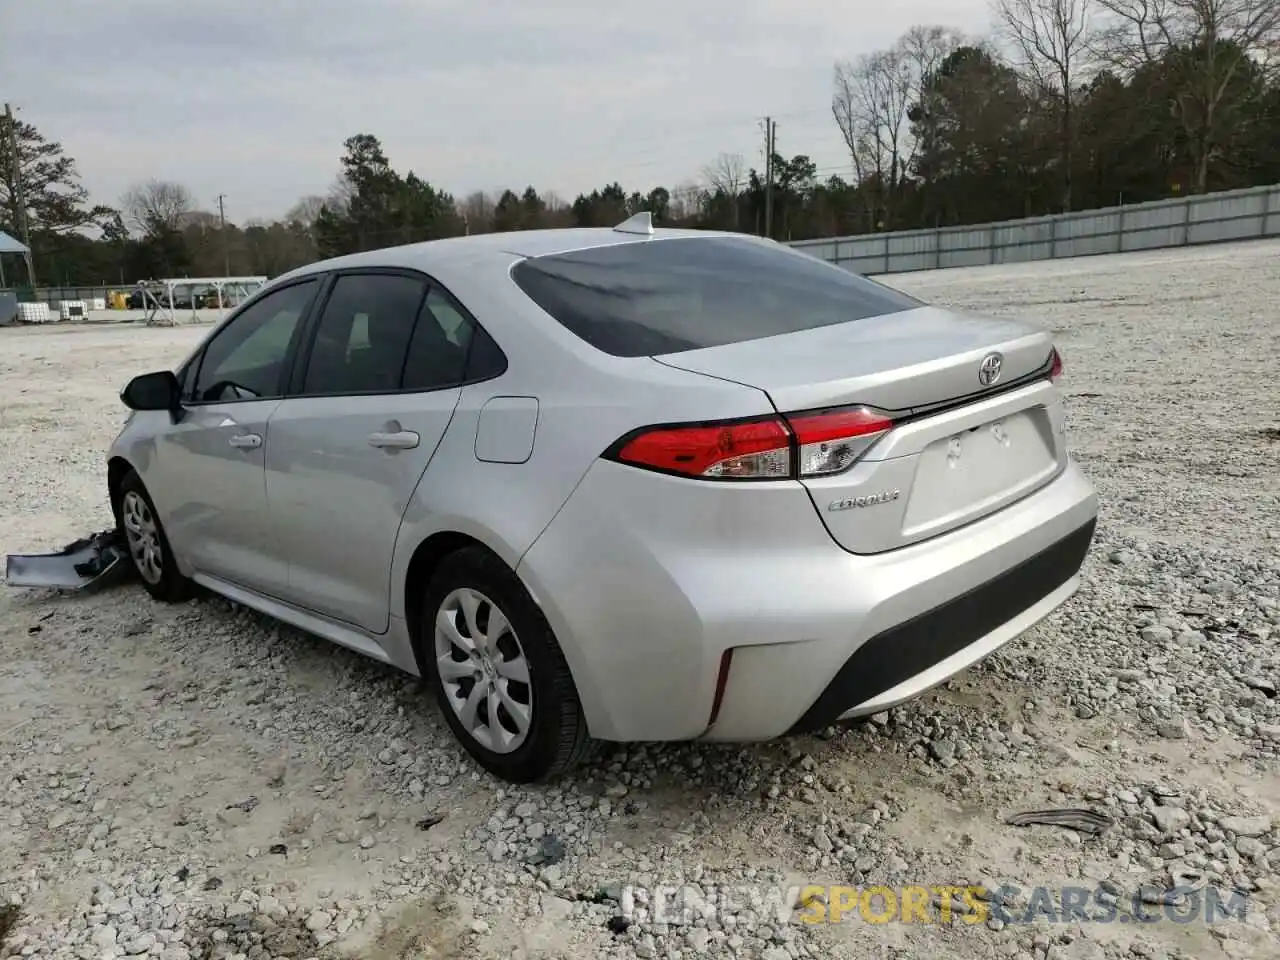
(897,362)
(961,450)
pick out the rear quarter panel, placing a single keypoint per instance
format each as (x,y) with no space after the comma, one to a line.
(581,411)
(586,401)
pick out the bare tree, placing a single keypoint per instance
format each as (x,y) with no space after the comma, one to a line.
(305,210)
(157,206)
(687,200)
(872,101)
(1221,40)
(553,202)
(341,192)
(1132,33)
(925,48)
(557,212)
(1052,42)
(201,220)
(727,173)
(476,212)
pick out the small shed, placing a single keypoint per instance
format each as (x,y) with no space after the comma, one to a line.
(8,300)
(10,245)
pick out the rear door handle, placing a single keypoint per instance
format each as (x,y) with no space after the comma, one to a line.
(246,441)
(401,440)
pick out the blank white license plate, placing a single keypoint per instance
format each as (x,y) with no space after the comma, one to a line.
(978,468)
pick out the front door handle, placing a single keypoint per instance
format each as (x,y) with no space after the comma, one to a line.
(246,441)
(400,440)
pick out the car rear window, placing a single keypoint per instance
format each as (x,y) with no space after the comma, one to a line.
(667,296)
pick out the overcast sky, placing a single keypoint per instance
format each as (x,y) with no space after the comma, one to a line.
(253,98)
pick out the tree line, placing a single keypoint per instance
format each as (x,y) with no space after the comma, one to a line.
(1071,105)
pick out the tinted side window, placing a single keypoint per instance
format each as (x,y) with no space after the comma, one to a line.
(441,342)
(364,334)
(245,360)
(487,359)
(666,296)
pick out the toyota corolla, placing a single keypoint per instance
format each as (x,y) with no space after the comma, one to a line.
(614,485)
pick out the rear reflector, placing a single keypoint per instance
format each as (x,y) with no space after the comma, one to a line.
(1055,368)
(722,680)
(796,446)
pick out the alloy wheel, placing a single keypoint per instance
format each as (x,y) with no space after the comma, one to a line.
(143,536)
(483,670)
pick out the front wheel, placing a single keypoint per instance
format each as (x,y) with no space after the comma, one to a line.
(500,677)
(148,546)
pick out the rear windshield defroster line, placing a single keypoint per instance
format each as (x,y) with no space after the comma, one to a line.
(665,296)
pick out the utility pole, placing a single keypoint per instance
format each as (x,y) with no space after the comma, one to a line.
(222,220)
(19,196)
(770,136)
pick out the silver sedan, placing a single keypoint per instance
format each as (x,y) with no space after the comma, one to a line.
(627,484)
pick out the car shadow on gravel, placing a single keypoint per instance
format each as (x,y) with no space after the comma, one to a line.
(220,701)
(249,664)
(9,916)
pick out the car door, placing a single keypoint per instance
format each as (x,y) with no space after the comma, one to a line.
(209,468)
(367,409)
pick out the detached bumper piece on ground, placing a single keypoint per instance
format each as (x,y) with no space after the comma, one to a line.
(91,563)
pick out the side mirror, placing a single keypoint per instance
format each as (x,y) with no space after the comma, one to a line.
(153,391)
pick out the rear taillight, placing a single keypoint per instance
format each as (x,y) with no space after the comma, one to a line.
(1055,365)
(833,441)
(798,445)
(757,449)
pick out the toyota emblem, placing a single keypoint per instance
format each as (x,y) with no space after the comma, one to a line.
(989,372)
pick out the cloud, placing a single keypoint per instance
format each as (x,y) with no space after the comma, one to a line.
(253,98)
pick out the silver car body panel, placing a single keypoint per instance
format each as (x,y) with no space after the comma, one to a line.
(647,579)
(214,499)
(897,362)
(328,486)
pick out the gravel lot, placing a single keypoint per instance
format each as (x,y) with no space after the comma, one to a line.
(199,782)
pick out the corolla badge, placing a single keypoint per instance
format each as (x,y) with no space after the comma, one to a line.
(871,500)
(989,371)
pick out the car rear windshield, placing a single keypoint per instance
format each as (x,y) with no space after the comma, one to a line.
(667,296)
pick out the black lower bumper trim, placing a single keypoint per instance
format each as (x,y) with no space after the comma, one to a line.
(901,652)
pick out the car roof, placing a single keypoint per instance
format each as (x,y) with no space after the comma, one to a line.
(433,255)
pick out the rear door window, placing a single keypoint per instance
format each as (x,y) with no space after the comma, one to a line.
(667,296)
(362,338)
(449,348)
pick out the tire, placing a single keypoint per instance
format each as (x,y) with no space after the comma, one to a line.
(148,546)
(553,737)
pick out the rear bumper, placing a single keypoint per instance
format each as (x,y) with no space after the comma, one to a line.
(904,661)
(649,580)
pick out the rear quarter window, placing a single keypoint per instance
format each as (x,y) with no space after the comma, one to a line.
(668,296)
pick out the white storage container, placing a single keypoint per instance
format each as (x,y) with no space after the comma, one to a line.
(34,313)
(97,303)
(73,310)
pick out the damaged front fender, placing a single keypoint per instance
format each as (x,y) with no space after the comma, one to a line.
(90,563)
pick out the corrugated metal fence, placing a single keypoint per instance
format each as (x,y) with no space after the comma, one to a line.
(58,294)
(1209,218)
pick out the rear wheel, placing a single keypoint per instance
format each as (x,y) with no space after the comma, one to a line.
(148,546)
(500,678)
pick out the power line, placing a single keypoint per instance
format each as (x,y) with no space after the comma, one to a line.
(660,154)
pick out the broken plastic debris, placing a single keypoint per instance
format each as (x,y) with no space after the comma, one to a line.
(91,562)
(1073,818)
